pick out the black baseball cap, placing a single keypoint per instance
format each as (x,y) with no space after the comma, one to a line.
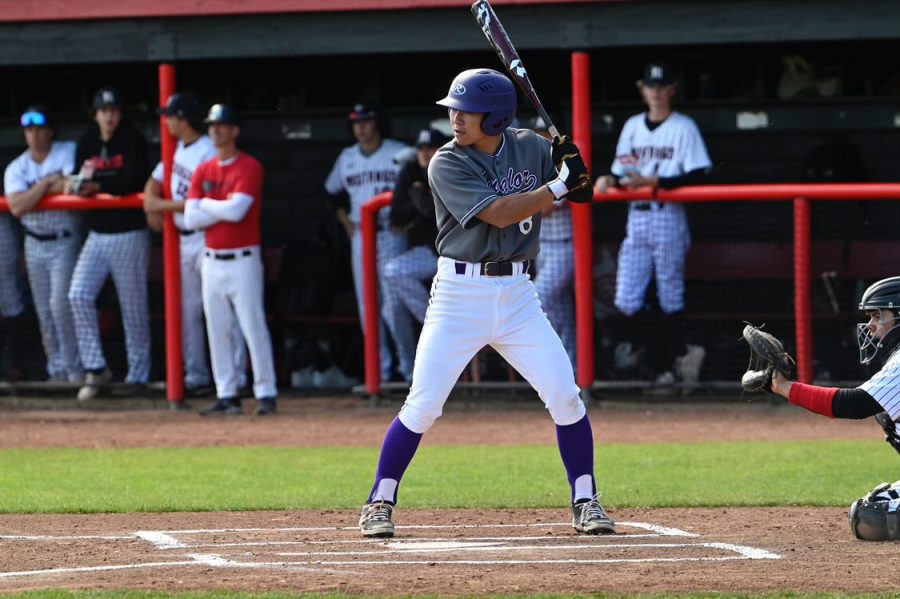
(657,74)
(221,113)
(107,96)
(431,137)
(185,105)
(364,112)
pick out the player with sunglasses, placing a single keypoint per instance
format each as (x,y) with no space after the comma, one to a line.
(52,237)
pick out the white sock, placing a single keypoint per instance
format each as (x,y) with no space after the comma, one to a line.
(584,488)
(386,491)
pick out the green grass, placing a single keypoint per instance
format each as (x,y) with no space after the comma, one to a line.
(254,478)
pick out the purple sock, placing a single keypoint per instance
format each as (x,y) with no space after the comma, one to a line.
(397,452)
(576,447)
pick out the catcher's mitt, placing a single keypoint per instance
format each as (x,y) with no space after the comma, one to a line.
(766,356)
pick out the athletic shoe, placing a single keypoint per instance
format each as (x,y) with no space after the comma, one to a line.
(590,518)
(93,384)
(265,405)
(688,366)
(230,406)
(375,520)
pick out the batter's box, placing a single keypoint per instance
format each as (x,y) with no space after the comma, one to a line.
(336,551)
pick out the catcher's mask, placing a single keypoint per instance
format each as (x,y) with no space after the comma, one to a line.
(880,302)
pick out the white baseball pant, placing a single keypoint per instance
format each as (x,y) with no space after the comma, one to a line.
(233,292)
(389,244)
(50,266)
(193,328)
(555,286)
(468,311)
(12,302)
(656,241)
(126,257)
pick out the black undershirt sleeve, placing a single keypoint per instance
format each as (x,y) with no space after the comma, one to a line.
(854,403)
(694,177)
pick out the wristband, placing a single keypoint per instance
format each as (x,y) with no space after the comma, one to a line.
(558,188)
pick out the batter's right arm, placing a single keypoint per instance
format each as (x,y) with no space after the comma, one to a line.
(515,208)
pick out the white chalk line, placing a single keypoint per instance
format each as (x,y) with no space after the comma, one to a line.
(462,546)
(167,540)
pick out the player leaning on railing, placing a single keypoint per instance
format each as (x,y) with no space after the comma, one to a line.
(875,516)
(112,158)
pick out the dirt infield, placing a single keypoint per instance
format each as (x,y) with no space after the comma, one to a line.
(455,552)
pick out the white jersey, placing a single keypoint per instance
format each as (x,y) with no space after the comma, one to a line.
(364,176)
(185,162)
(884,386)
(23,172)
(672,149)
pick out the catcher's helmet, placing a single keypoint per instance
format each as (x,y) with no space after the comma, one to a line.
(881,296)
(487,91)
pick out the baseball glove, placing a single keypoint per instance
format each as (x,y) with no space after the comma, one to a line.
(766,356)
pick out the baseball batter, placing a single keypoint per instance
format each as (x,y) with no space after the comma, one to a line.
(183,119)
(52,240)
(658,148)
(362,171)
(226,199)
(490,186)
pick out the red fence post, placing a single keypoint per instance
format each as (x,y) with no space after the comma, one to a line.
(171,251)
(582,234)
(803,289)
(372,320)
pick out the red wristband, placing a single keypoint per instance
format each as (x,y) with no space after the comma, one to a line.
(813,398)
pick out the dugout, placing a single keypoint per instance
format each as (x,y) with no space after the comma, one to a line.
(767,81)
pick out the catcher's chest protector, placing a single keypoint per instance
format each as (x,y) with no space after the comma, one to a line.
(875,517)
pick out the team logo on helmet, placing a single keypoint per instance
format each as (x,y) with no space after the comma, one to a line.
(458,89)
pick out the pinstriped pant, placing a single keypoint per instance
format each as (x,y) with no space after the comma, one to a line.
(403,277)
(656,242)
(389,244)
(126,257)
(12,302)
(555,286)
(233,291)
(50,265)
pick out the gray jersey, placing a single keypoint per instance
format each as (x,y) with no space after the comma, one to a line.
(465,181)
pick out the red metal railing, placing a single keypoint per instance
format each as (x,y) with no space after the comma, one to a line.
(801,194)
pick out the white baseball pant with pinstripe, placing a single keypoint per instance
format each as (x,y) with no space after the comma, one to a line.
(50,266)
(389,244)
(12,301)
(126,257)
(403,281)
(656,243)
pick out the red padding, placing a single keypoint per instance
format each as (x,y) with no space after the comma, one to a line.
(813,398)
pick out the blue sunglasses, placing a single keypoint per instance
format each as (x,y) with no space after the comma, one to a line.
(33,119)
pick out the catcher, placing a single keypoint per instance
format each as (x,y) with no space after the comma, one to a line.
(873,517)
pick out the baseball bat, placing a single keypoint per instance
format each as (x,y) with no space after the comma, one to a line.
(503,46)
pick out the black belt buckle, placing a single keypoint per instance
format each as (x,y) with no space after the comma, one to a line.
(228,255)
(496,269)
(643,206)
(186,232)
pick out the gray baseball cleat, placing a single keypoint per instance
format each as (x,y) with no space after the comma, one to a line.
(590,518)
(375,520)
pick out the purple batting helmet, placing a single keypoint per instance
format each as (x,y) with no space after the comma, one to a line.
(486,91)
